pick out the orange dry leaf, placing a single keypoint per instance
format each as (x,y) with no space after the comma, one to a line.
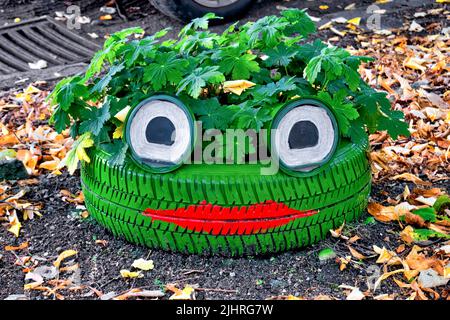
(391,213)
(412,178)
(106,17)
(356,254)
(49,165)
(22,246)
(418,261)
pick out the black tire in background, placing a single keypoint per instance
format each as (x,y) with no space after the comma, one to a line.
(186,10)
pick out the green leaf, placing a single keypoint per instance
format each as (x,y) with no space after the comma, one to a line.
(198,23)
(253,118)
(376,113)
(308,51)
(330,61)
(442,203)
(239,66)
(326,254)
(427,214)
(117,151)
(280,56)
(211,113)
(285,84)
(104,82)
(97,118)
(144,47)
(167,68)
(344,112)
(198,40)
(78,152)
(299,22)
(60,119)
(198,79)
(68,92)
(425,234)
(267,31)
(110,47)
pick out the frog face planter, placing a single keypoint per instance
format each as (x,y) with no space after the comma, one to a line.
(157,199)
(159,167)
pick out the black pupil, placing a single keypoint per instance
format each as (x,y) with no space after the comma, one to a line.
(304,134)
(160,130)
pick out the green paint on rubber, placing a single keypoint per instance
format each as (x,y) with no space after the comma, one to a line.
(116,196)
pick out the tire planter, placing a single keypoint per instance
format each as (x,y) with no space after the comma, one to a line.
(227,209)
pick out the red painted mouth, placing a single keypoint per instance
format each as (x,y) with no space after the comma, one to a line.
(218,220)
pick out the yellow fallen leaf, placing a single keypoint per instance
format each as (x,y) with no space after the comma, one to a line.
(291,297)
(143,264)
(415,64)
(237,86)
(434,113)
(15,227)
(324,7)
(327,25)
(49,165)
(407,235)
(77,152)
(385,276)
(70,268)
(130,274)
(122,114)
(186,294)
(32,285)
(64,255)
(387,257)
(118,133)
(106,17)
(355,21)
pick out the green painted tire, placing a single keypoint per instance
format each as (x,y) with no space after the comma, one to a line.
(117,196)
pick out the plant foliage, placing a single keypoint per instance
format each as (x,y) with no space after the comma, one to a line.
(272,52)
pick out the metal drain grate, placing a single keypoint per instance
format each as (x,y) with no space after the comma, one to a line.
(41,39)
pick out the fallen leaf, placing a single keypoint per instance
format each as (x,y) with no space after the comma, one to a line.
(143,264)
(387,257)
(122,114)
(412,178)
(356,254)
(106,17)
(22,246)
(337,233)
(64,255)
(237,86)
(130,274)
(188,293)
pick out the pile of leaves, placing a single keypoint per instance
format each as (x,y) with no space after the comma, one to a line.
(416,74)
(237,79)
(26,136)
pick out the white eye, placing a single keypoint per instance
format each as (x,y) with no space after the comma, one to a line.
(160,133)
(305,135)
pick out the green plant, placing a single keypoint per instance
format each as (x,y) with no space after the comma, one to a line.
(272,53)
